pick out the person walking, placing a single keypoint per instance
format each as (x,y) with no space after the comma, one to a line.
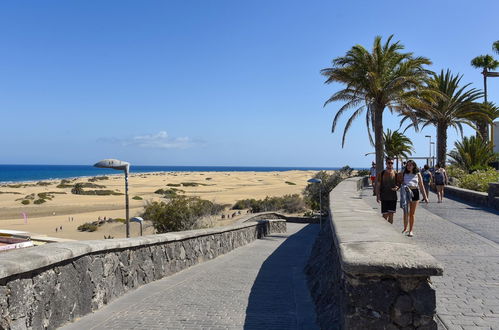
(372,173)
(386,190)
(427,179)
(411,188)
(440,179)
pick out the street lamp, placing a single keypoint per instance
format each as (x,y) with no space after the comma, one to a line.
(429,159)
(122,166)
(434,152)
(319,181)
(140,221)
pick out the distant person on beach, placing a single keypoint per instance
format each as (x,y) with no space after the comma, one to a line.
(411,188)
(386,190)
(440,179)
(372,172)
(427,178)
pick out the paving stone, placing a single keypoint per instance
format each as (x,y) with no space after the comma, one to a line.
(465,240)
(258,286)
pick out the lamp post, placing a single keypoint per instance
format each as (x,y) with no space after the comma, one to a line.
(140,221)
(319,181)
(434,153)
(429,159)
(123,166)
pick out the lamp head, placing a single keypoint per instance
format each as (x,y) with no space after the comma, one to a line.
(114,164)
(314,180)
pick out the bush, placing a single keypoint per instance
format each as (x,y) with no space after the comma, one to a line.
(290,183)
(39,201)
(65,184)
(314,192)
(137,198)
(87,227)
(25,201)
(43,183)
(173,184)
(98,178)
(287,203)
(363,172)
(190,184)
(179,213)
(479,180)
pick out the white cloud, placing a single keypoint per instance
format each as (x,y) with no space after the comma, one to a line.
(160,140)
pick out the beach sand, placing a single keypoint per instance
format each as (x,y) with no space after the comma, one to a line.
(220,187)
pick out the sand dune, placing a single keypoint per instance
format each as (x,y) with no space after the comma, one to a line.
(220,187)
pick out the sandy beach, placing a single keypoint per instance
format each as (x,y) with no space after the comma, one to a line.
(220,187)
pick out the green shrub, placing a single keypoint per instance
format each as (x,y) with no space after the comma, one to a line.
(363,172)
(179,213)
(65,183)
(173,184)
(314,192)
(291,183)
(87,227)
(10,192)
(479,180)
(190,184)
(455,172)
(98,178)
(43,183)
(138,198)
(287,203)
(208,179)
(25,201)
(39,201)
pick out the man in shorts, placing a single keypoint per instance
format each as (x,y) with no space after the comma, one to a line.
(372,173)
(386,190)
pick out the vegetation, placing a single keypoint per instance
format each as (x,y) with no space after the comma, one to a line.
(180,213)
(173,184)
(479,180)
(290,183)
(43,183)
(78,190)
(314,192)
(98,178)
(138,198)
(90,227)
(39,201)
(10,192)
(472,154)
(449,106)
(25,201)
(397,146)
(65,183)
(363,172)
(376,80)
(287,203)
(168,193)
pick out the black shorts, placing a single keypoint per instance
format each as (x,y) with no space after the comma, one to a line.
(388,206)
(415,194)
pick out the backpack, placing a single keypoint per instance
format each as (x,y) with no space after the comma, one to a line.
(426,176)
(439,178)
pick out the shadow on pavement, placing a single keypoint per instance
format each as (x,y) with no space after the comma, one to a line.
(279,298)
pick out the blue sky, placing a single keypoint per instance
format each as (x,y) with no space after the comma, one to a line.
(208,82)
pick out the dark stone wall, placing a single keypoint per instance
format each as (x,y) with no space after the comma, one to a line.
(49,297)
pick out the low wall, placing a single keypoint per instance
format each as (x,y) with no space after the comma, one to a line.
(489,199)
(46,286)
(378,278)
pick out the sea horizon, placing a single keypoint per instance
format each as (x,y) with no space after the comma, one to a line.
(29,172)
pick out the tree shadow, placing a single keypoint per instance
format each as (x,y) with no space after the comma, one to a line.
(279,297)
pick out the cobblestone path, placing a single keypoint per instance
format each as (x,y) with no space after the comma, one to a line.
(465,240)
(259,286)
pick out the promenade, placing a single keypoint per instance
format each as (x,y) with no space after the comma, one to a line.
(259,286)
(465,239)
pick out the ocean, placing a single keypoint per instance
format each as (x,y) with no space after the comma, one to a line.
(15,173)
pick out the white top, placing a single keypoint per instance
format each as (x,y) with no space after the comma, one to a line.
(412,180)
(373,171)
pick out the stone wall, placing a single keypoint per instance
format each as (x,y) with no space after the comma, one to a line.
(489,199)
(46,286)
(377,278)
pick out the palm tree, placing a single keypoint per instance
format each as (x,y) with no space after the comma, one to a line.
(453,107)
(486,63)
(495,46)
(382,78)
(491,112)
(397,145)
(473,153)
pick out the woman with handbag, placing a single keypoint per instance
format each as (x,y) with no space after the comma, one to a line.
(412,187)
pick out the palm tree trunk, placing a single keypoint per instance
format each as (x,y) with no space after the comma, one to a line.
(441,143)
(482,130)
(378,137)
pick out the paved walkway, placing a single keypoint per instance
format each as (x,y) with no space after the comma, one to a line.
(259,286)
(465,240)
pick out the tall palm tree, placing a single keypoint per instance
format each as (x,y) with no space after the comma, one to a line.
(397,145)
(495,46)
(486,63)
(453,107)
(376,80)
(473,153)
